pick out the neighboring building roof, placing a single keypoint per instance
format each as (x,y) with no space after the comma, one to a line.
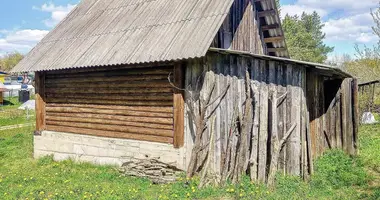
(322,68)
(369,83)
(104,32)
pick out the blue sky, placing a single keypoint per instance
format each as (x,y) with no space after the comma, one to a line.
(347,22)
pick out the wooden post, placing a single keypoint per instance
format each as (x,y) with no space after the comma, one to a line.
(178,104)
(40,102)
(355,107)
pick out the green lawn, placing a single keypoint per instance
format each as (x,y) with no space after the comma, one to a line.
(10,115)
(21,177)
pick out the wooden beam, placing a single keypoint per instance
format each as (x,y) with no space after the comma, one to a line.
(179,106)
(273,50)
(40,102)
(273,39)
(266,13)
(269,27)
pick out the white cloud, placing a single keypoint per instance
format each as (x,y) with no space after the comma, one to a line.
(20,40)
(348,6)
(58,13)
(356,28)
(345,20)
(299,9)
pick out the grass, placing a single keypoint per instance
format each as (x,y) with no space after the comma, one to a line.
(10,115)
(337,176)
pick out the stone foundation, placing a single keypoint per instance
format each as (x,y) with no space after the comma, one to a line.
(104,151)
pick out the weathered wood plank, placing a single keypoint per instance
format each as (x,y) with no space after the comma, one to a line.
(111,134)
(179,107)
(157,120)
(263,133)
(112,107)
(40,101)
(118,128)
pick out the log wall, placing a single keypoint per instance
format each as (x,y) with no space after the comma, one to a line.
(304,106)
(131,103)
(240,30)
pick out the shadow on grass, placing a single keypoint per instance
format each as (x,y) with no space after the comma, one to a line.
(8,103)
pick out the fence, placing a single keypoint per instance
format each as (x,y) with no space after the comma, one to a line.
(369,94)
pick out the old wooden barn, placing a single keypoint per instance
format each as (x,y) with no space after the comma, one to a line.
(125,79)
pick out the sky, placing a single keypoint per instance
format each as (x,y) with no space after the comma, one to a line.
(347,22)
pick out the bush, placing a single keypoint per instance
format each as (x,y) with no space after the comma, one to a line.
(337,170)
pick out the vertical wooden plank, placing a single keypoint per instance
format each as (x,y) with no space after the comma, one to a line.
(263,133)
(304,123)
(289,121)
(40,101)
(294,139)
(255,130)
(350,127)
(344,115)
(338,121)
(355,105)
(179,106)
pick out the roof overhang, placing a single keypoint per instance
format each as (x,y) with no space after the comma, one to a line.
(326,70)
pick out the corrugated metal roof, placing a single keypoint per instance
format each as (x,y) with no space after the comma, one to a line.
(272,20)
(113,32)
(333,70)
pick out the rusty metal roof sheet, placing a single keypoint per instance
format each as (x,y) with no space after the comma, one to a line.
(113,32)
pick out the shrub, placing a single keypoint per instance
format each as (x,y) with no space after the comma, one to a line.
(336,169)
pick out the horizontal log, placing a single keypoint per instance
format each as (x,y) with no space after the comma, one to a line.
(274,50)
(266,13)
(108,112)
(110,134)
(269,27)
(274,39)
(168,121)
(157,97)
(125,72)
(109,122)
(111,85)
(110,102)
(118,128)
(146,66)
(131,108)
(97,80)
(130,91)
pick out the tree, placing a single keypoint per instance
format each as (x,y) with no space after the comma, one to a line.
(304,37)
(10,60)
(367,65)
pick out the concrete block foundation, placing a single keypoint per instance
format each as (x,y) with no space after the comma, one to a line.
(104,151)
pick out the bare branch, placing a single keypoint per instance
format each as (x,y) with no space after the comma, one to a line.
(221,96)
(172,84)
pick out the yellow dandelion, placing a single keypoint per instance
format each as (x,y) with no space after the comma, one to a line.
(24,179)
(241,194)
(232,190)
(5,194)
(267,192)
(85,197)
(42,192)
(71,192)
(188,194)
(193,191)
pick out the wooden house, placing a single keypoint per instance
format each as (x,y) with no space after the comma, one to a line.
(118,80)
